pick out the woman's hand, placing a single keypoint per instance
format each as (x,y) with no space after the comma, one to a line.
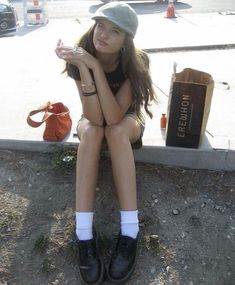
(82,55)
(67,53)
(76,56)
(61,50)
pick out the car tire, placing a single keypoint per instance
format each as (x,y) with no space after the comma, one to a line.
(3,25)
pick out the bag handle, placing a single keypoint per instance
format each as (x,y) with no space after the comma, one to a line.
(45,108)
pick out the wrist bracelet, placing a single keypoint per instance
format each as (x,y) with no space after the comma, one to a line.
(89,93)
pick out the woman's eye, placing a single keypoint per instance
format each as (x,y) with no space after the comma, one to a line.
(100,26)
(116,32)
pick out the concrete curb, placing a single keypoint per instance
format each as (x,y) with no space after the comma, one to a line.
(189,158)
(35,146)
(170,156)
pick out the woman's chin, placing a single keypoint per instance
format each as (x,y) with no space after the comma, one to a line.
(100,48)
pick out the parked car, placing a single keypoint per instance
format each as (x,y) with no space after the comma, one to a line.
(155,1)
(8,18)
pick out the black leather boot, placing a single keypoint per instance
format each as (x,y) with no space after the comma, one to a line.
(91,267)
(123,259)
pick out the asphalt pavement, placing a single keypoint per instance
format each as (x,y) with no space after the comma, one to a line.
(31,75)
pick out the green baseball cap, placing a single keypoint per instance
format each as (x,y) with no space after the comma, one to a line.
(120,14)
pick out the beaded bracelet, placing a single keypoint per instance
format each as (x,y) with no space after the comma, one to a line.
(89,93)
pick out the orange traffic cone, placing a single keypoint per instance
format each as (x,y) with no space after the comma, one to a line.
(170,13)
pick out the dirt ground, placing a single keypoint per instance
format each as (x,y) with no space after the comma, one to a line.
(186,217)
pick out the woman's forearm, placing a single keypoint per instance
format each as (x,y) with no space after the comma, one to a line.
(91,105)
(111,110)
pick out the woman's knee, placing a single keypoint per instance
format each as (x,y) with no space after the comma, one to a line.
(115,133)
(92,134)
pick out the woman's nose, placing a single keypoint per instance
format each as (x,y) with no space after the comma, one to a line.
(104,34)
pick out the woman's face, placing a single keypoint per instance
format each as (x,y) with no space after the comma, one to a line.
(108,38)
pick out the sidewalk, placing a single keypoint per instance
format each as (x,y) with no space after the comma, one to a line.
(32,76)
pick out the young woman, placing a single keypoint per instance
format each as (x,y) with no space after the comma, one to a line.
(113,82)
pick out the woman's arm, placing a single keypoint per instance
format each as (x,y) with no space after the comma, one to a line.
(90,104)
(113,107)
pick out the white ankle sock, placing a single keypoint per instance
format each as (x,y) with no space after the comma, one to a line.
(84,223)
(129,223)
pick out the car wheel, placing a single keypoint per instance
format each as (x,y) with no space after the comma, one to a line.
(3,25)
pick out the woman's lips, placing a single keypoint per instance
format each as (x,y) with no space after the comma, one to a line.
(102,43)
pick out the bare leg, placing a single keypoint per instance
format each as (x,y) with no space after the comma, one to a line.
(118,139)
(91,138)
(89,263)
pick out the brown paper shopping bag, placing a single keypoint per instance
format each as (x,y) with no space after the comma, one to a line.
(188,108)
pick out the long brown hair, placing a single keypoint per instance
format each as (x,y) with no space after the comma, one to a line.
(135,64)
